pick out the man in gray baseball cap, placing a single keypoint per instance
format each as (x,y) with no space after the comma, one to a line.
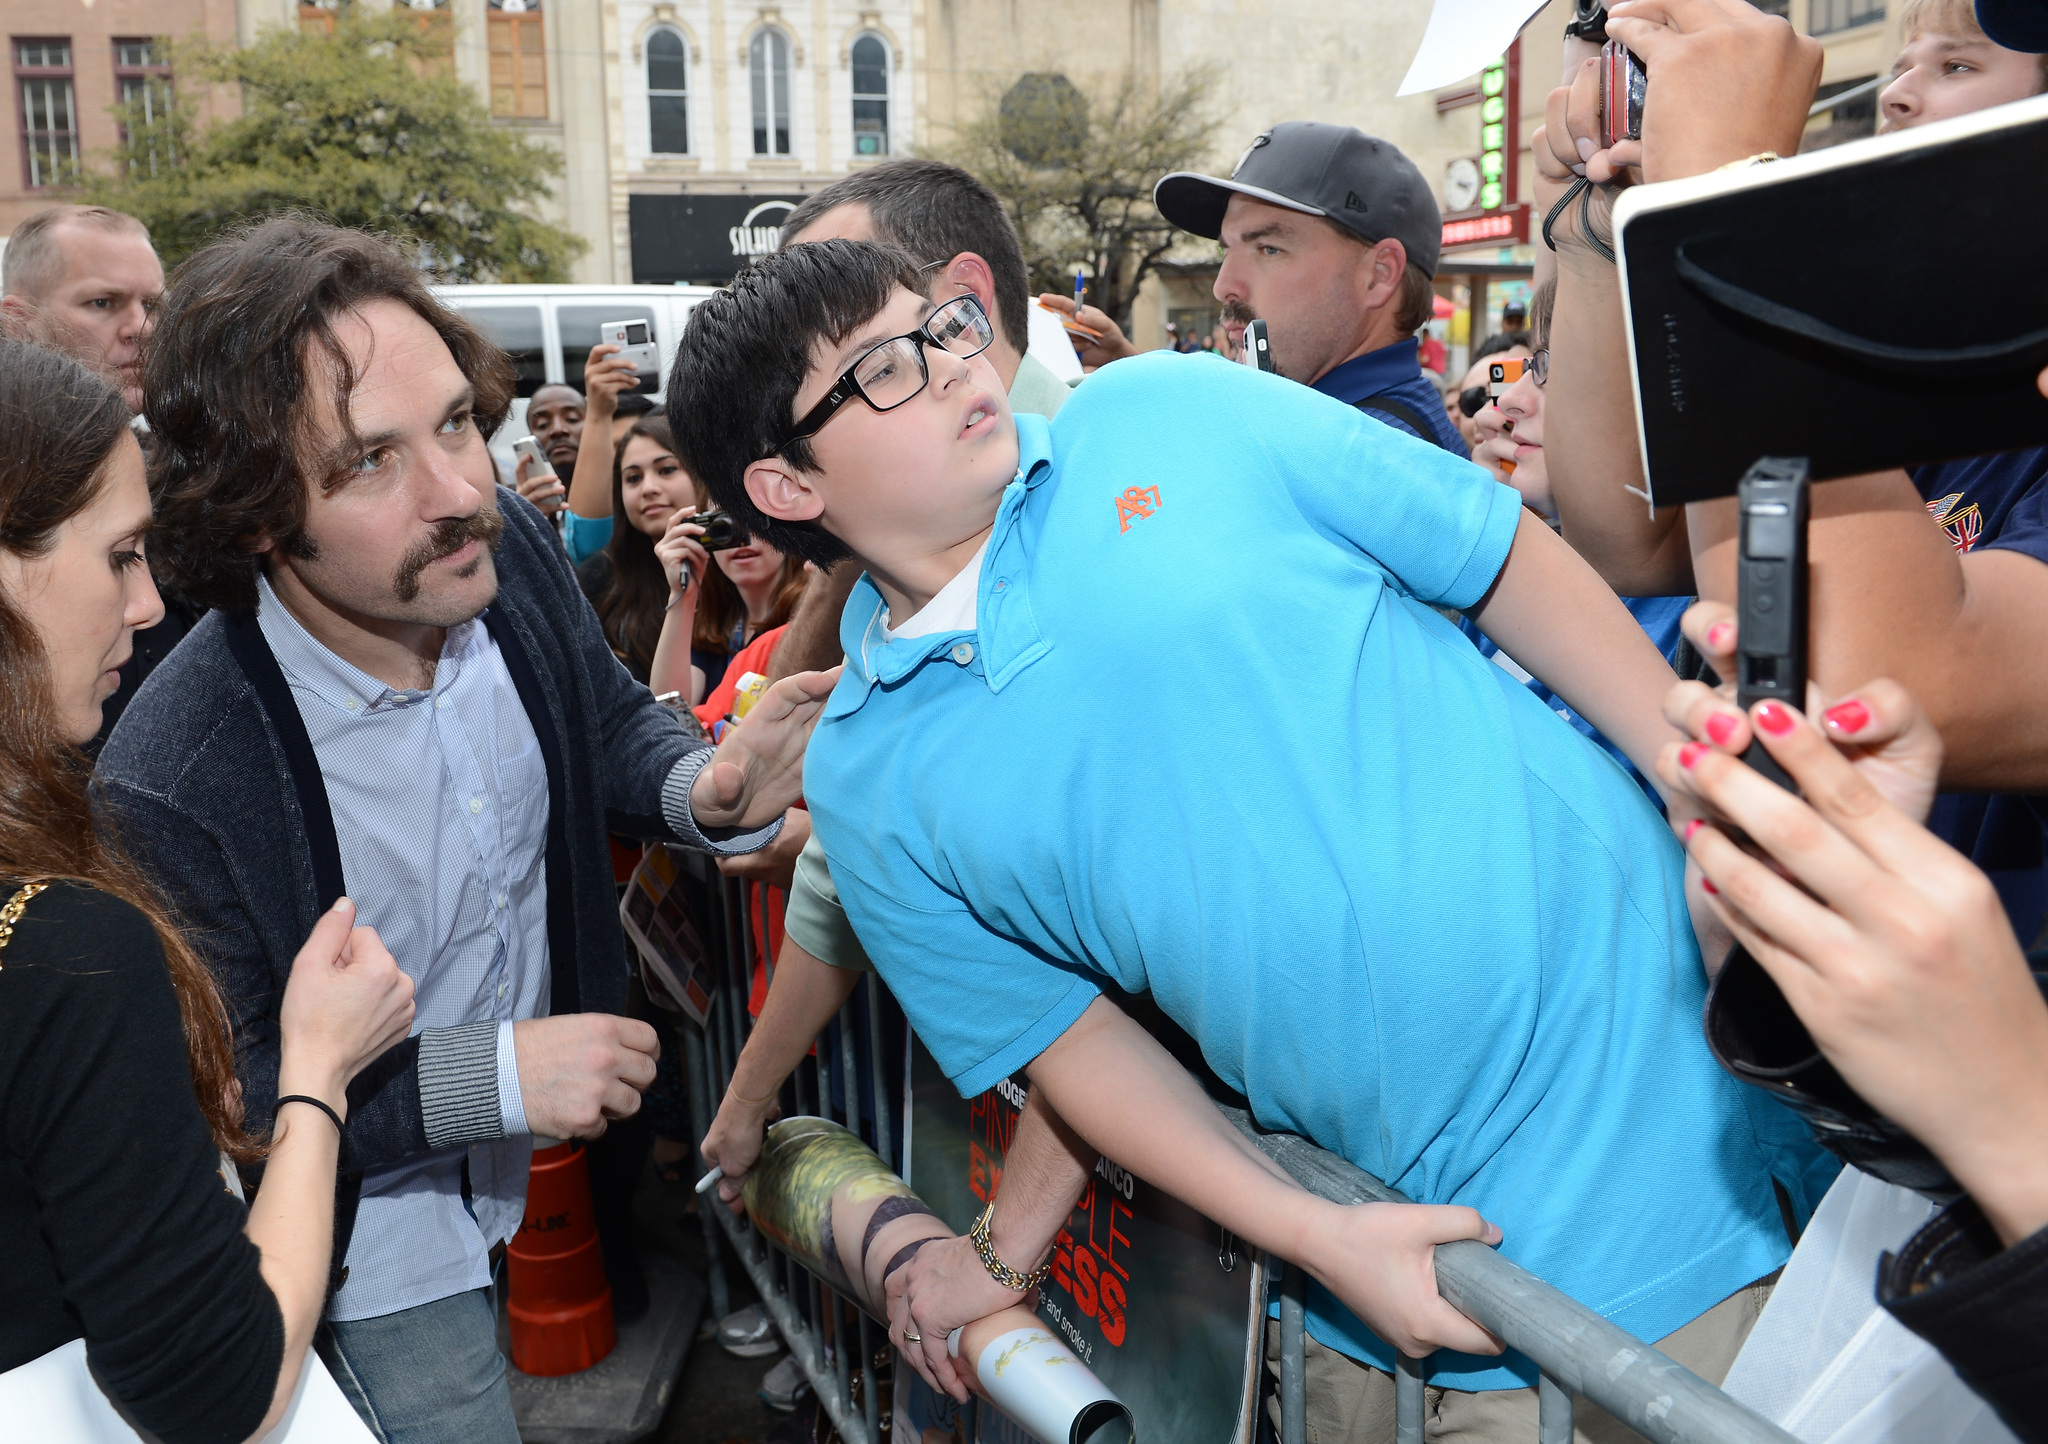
(1330,236)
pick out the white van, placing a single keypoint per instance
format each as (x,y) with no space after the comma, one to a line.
(548,332)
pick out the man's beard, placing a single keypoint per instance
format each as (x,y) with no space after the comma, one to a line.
(486,526)
(1237,313)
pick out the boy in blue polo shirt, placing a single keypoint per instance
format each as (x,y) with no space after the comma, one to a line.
(1415,917)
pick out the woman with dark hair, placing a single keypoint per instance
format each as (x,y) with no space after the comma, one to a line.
(632,582)
(118,1099)
(649,612)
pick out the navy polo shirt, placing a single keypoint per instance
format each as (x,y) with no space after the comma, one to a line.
(1412,915)
(1988,503)
(1395,371)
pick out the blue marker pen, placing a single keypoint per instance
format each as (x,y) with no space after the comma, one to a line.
(1080,290)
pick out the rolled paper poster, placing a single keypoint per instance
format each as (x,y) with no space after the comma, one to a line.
(1036,1380)
(825,1198)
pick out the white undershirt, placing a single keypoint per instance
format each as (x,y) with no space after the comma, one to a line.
(951,608)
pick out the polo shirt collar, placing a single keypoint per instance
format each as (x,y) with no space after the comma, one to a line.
(1372,373)
(1004,638)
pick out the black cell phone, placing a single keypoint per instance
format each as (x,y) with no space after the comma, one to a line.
(1771,594)
(1258,349)
(721,531)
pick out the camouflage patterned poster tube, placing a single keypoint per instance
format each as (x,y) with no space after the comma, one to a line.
(830,1203)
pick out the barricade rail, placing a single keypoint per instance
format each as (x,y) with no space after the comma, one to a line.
(815,1321)
(1573,1347)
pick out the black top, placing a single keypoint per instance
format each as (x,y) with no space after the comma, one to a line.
(594,575)
(118,1226)
(1983,1307)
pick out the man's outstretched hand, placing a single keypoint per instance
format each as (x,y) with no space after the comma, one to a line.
(757,773)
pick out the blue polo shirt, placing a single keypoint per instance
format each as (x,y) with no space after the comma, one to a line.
(1416,917)
(1394,371)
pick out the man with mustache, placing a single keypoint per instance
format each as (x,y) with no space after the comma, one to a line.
(401,694)
(1331,236)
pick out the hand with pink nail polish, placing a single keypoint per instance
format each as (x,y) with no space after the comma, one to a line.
(1892,948)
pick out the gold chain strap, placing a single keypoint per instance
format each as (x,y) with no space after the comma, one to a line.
(1001,1272)
(11,913)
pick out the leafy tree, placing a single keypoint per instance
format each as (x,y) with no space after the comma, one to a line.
(1077,175)
(362,126)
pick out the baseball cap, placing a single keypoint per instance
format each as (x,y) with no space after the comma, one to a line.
(2016,24)
(1515,309)
(1336,171)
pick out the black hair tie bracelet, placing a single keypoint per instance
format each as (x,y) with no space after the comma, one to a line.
(324,1108)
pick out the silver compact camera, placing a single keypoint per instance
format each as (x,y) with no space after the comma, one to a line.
(635,340)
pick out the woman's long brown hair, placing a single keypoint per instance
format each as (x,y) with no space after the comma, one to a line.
(62,425)
(630,609)
(632,605)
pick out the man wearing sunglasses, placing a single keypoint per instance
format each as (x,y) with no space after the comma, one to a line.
(1412,915)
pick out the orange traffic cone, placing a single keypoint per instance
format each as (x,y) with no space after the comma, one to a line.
(560,1305)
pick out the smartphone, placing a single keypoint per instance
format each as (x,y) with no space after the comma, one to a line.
(635,340)
(537,463)
(1258,348)
(1771,594)
(1502,374)
(1622,83)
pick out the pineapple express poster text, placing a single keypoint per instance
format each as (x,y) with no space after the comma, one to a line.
(1092,1257)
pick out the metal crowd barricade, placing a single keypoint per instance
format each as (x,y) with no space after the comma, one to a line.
(815,1321)
(1574,1348)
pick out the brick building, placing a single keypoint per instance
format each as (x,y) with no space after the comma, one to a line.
(71,65)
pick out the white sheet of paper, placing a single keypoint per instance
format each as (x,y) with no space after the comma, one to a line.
(1463,38)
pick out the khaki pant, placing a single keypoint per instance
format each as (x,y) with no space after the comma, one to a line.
(1353,1403)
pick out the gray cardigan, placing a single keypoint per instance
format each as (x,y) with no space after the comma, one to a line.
(211,782)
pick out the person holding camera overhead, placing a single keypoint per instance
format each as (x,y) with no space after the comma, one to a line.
(1897,954)
(1947,606)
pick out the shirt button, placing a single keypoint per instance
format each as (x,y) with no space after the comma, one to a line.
(439,703)
(352,704)
(963,654)
(501,990)
(1001,583)
(476,804)
(501,899)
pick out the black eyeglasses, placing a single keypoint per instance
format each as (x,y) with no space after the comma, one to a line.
(1539,365)
(891,372)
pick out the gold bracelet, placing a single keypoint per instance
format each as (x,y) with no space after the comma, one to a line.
(1762,157)
(1001,1272)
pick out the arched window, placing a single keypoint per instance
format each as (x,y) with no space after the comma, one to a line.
(870,96)
(768,60)
(668,93)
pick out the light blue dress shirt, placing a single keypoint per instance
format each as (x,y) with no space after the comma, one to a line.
(440,802)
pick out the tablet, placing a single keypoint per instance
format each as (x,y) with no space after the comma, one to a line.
(1874,305)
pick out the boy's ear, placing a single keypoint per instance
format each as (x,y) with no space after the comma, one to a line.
(780,491)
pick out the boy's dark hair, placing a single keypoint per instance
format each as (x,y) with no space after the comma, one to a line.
(934,211)
(744,356)
(228,377)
